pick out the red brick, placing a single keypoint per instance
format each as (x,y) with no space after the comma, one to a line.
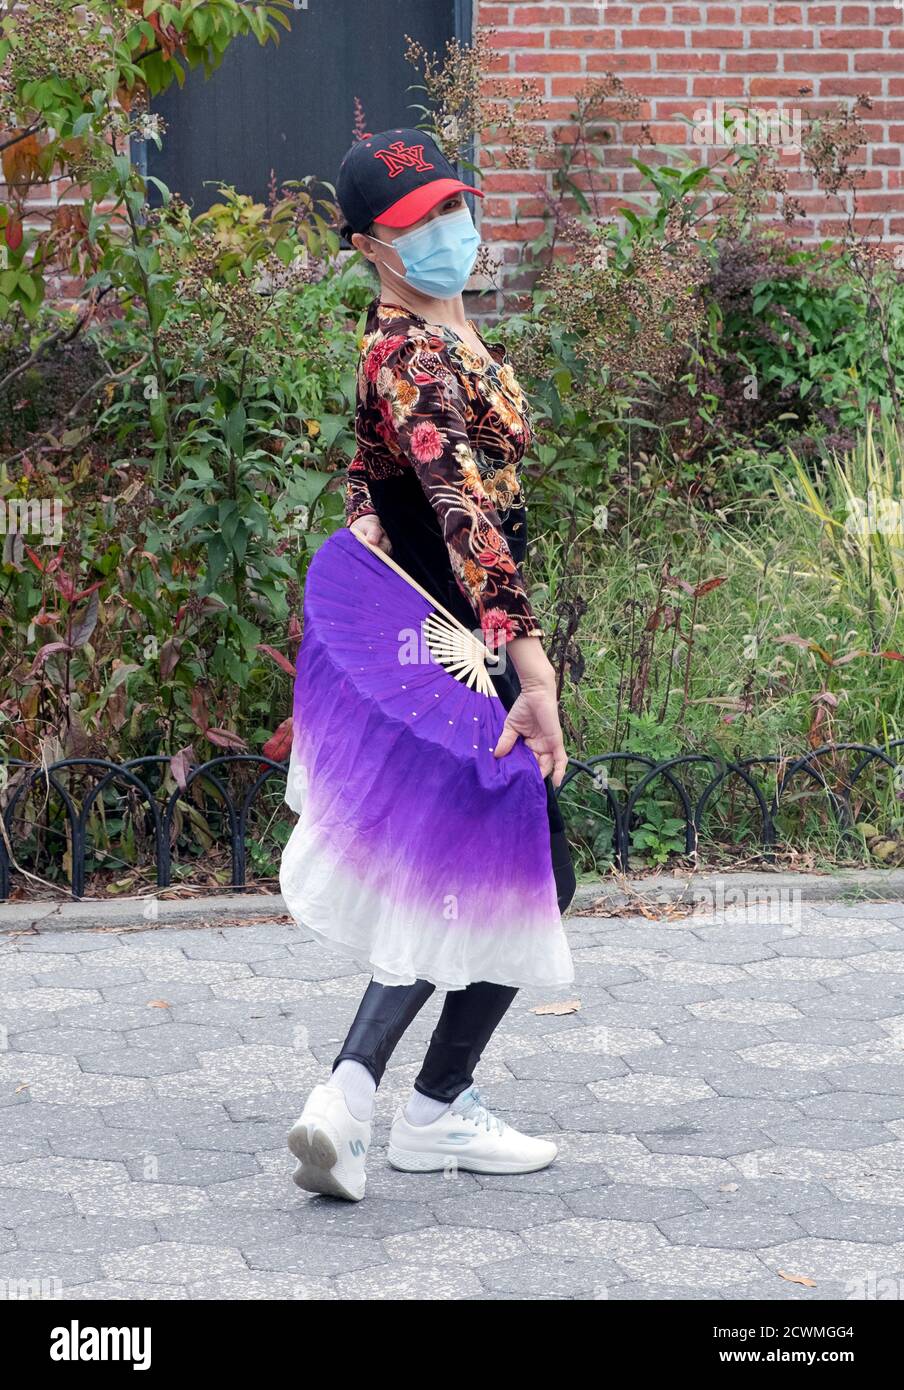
(507,181)
(547,62)
(582,38)
(653,38)
(685,14)
(788,38)
(751,62)
(688,62)
(855,14)
(851,39)
(851,86)
(755,14)
(718,38)
(775,86)
(835,61)
(619,62)
(660,86)
(718,86)
(878,62)
(886,154)
(518,38)
(538,14)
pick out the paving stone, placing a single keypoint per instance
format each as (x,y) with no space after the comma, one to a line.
(255,1284)
(235,1137)
(16,1147)
(100,975)
(118,1018)
(172,1262)
(63,1042)
(194,1167)
(828,1133)
(728,1101)
(64,1174)
(116,1145)
(854,1105)
(470,1246)
(743,1011)
(855,1221)
(156,987)
(848,1261)
(739,1080)
(730,1228)
(193,1037)
(140,1199)
(691,1139)
(48,1265)
(828,1031)
(883,1080)
(118,1290)
(670,1060)
(320,1254)
(19,1206)
(709,1033)
(500,1211)
(164,1114)
(563,1277)
(68,943)
(144,1061)
(555,1066)
(623,1201)
(660,1293)
(82,1235)
(408,1281)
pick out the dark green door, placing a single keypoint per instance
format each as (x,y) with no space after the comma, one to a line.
(289,108)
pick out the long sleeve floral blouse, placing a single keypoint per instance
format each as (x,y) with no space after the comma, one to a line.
(440,438)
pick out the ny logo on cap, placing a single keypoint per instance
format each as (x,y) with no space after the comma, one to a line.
(400,156)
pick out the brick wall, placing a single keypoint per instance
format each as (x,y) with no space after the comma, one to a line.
(682,59)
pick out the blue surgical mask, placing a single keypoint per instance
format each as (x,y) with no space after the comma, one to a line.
(439,256)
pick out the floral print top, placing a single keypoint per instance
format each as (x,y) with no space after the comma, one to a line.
(434,417)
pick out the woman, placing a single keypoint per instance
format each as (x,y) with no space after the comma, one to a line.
(440,422)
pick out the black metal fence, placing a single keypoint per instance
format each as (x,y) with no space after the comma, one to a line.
(60,831)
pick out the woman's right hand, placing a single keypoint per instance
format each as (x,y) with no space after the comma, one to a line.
(370,528)
(535,717)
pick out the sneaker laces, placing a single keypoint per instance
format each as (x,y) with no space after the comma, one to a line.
(480,1114)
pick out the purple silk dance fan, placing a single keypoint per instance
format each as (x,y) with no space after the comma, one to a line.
(416,850)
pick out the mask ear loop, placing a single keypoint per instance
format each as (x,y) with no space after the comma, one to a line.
(390,268)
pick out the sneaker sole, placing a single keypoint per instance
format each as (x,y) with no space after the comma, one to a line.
(410,1161)
(316,1152)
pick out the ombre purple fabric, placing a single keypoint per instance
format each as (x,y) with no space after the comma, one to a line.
(416,850)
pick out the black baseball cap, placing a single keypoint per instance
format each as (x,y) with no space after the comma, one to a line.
(394,177)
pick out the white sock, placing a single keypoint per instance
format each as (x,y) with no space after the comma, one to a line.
(423,1110)
(358,1087)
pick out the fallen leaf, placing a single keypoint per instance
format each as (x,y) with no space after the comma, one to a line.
(565,1006)
(797,1279)
(157,1004)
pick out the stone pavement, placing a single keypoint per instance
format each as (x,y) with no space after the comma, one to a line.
(728,1104)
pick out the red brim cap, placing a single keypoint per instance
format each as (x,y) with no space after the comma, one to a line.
(419,201)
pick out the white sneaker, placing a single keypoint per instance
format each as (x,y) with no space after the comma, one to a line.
(469,1136)
(331,1145)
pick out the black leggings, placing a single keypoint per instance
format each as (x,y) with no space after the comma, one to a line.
(465,1025)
